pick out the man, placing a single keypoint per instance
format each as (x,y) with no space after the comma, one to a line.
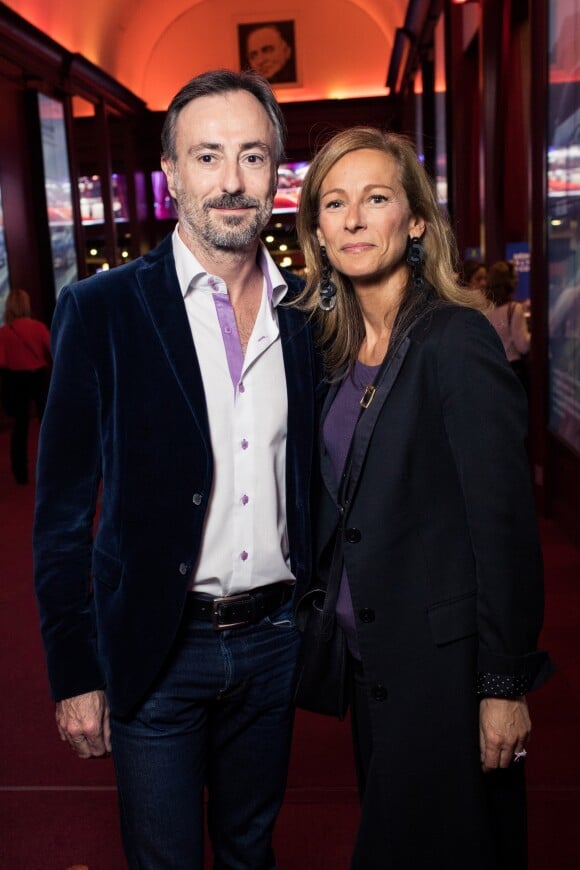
(185,385)
(270,55)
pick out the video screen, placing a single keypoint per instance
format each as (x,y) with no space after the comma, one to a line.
(563,213)
(91,199)
(290,178)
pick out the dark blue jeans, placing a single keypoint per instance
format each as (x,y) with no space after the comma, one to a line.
(220,717)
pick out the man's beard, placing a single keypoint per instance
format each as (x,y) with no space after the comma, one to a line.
(231,232)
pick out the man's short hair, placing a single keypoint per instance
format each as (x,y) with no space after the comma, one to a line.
(224,81)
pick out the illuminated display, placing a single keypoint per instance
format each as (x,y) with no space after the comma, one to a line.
(563,210)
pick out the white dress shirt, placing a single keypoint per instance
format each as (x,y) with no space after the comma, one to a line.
(245,540)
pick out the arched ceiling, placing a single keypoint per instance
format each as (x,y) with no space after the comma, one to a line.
(343,47)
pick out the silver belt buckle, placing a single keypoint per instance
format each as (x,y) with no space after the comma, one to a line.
(228,599)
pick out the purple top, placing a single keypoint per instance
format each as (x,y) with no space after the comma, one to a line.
(337,433)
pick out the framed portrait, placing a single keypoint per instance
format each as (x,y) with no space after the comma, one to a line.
(269,48)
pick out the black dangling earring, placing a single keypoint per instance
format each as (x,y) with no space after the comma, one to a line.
(415,258)
(327,288)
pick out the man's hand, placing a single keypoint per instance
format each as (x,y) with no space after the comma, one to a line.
(504,729)
(83,722)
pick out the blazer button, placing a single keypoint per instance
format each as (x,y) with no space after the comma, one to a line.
(366,615)
(197,498)
(183,568)
(379,693)
(353,536)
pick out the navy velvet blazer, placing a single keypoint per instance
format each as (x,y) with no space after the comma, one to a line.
(125,435)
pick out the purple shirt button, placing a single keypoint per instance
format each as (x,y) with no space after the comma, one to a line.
(244,444)
(245,499)
(243,556)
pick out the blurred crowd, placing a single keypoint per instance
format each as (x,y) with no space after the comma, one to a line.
(496,285)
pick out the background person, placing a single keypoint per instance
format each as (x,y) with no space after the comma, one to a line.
(509,318)
(25,363)
(185,385)
(439,562)
(474,274)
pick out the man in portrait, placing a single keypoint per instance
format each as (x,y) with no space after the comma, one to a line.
(268,48)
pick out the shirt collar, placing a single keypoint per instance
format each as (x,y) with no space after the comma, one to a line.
(192,276)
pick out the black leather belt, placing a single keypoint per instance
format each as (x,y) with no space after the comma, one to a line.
(236,611)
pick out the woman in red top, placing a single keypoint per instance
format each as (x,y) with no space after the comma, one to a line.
(25,360)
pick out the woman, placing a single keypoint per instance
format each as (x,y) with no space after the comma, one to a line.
(25,360)
(474,275)
(509,317)
(431,514)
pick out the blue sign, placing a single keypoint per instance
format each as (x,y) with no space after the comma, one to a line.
(519,254)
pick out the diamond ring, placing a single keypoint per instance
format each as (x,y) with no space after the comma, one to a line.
(519,755)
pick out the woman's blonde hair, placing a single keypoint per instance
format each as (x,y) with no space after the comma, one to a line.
(17,305)
(341,331)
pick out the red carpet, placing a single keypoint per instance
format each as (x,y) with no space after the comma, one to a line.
(57,811)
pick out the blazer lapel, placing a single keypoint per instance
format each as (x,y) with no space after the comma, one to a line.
(326,468)
(164,303)
(300,371)
(297,351)
(368,418)
(300,368)
(364,428)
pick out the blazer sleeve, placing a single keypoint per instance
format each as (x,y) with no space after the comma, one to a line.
(68,476)
(485,413)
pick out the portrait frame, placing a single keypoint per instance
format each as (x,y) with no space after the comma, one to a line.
(284,37)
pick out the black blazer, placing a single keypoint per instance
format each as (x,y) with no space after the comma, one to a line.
(444,566)
(127,408)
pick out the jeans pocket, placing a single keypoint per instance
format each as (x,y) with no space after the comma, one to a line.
(283,617)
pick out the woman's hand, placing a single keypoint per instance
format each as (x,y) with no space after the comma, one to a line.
(504,729)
